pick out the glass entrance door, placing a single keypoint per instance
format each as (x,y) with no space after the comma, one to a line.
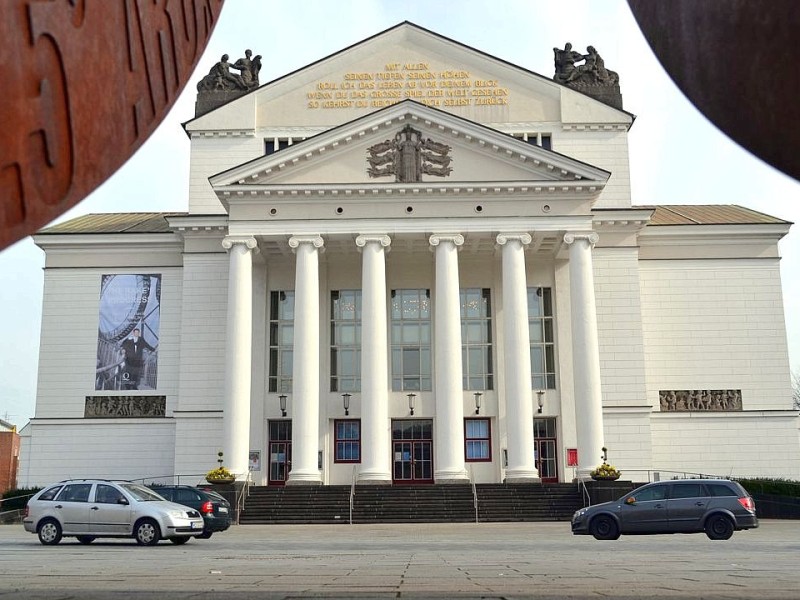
(280,451)
(412,451)
(545,448)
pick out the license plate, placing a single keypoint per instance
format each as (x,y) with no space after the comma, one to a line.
(197,525)
(223,509)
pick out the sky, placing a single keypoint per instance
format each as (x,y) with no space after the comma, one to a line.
(676,155)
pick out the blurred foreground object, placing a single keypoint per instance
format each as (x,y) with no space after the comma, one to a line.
(85,84)
(732,59)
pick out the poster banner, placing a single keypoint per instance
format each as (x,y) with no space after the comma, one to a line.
(128,334)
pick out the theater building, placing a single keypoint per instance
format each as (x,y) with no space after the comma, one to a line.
(412,262)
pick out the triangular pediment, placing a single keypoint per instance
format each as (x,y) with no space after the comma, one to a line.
(407,62)
(465,153)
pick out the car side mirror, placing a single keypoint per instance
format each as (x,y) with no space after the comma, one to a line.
(122,501)
(631,500)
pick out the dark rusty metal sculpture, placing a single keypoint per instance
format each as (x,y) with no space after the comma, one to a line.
(85,83)
(729,58)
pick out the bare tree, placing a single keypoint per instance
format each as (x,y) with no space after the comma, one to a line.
(796,389)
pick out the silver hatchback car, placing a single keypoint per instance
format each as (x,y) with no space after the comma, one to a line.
(716,506)
(92,508)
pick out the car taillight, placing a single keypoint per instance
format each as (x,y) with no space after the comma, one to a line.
(747,503)
(209,508)
(26,512)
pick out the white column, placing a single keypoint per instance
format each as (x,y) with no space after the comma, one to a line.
(375,435)
(447,386)
(305,371)
(238,352)
(585,352)
(517,360)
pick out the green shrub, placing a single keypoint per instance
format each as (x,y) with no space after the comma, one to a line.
(17,499)
(775,487)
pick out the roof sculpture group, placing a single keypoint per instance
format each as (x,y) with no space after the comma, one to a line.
(221,85)
(592,78)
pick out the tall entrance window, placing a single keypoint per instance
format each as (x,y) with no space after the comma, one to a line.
(280,451)
(347,441)
(476,339)
(540,326)
(346,340)
(477,440)
(281,341)
(411,340)
(545,447)
(412,451)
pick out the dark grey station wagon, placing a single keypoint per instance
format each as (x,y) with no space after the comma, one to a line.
(717,507)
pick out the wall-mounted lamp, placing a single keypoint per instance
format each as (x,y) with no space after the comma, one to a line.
(411,399)
(346,403)
(540,400)
(478,396)
(282,400)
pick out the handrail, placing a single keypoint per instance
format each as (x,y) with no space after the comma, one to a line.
(585,497)
(353,492)
(474,493)
(243,493)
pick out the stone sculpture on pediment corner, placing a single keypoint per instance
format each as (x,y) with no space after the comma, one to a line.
(591,77)
(221,85)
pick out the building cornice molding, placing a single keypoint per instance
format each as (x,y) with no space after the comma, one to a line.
(595,126)
(223,133)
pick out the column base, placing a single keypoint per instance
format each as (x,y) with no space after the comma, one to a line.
(522,476)
(520,480)
(304,480)
(448,477)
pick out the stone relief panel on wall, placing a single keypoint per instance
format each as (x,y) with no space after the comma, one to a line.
(409,156)
(700,400)
(120,407)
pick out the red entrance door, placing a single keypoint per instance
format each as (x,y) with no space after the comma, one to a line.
(412,451)
(280,451)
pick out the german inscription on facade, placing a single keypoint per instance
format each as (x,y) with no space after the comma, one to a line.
(700,400)
(122,407)
(413,80)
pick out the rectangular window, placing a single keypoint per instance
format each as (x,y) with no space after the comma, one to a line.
(540,326)
(545,140)
(476,339)
(346,340)
(347,441)
(281,341)
(272,145)
(411,340)
(477,440)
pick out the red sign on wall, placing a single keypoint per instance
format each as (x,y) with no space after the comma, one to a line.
(572,457)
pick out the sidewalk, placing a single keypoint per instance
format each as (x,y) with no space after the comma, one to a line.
(505,560)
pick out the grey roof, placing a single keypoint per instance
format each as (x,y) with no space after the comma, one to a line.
(115,223)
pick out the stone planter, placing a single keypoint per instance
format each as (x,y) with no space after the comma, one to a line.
(220,480)
(606,477)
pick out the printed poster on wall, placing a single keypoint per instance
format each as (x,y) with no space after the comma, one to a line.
(128,334)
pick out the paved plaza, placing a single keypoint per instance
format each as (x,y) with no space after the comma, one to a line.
(506,560)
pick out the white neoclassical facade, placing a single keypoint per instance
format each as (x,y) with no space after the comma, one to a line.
(412,262)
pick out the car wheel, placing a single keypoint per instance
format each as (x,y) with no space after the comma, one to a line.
(147,533)
(604,528)
(86,539)
(49,532)
(205,535)
(719,527)
(179,541)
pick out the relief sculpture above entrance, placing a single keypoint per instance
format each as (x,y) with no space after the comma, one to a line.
(408,156)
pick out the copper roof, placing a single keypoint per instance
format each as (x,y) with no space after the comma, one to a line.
(709,214)
(115,223)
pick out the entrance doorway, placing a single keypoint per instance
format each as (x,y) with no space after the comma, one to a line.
(545,447)
(412,451)
(280,451)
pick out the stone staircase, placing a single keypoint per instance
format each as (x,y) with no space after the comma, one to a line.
(410,504)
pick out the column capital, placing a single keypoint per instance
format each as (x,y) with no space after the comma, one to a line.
(381,238)
(438,238)
(248,241)
(523,238)
(315,240)
(590,237)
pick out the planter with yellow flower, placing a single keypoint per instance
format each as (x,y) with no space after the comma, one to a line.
(605,472)
(220,475)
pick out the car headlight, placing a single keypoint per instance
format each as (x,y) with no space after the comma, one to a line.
(579,513)
(177,514)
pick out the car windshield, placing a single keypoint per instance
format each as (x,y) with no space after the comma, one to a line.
(141,493)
